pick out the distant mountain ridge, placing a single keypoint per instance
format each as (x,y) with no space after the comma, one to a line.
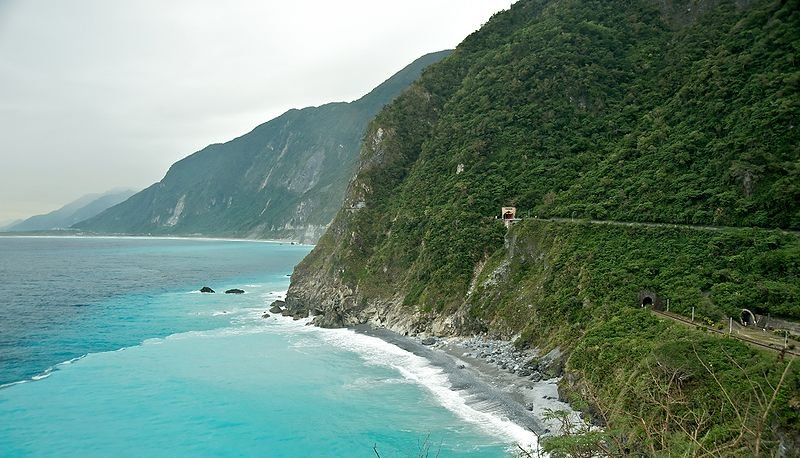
(78,210)
(8,223)
(284,180)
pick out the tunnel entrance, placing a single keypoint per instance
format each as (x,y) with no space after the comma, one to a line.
(648,298)
(748,318)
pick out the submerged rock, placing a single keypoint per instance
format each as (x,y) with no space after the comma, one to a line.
(206,289)
(266,315)
(234,291)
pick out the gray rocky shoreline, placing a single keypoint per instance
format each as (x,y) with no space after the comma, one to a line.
(492,375)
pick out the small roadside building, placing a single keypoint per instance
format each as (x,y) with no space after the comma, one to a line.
(509,215)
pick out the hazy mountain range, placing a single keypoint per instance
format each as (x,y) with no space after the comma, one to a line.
(71,213)
(283,180)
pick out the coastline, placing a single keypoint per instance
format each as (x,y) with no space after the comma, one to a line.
(484,385)
(151,237)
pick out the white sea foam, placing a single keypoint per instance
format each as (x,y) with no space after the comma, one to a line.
(46,373)
(374,351)
(418,370)
(367,382)
(70,361)
(7,385)
(274,295)
(249,316)
(220,332)
(304,343)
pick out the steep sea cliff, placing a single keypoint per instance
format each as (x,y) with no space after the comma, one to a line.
(649,148)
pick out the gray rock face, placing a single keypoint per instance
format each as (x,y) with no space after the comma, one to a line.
(285,179)
(553,363)
(329,319)
(277,307)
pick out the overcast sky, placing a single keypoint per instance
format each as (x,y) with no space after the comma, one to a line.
(104,94)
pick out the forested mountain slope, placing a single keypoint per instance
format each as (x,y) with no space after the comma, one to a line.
(284,179)
(645,111)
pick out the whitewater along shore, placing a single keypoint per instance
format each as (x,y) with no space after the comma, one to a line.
(491,374)
(494,376)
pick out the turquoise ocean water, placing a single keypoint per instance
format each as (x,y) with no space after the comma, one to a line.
(107,349)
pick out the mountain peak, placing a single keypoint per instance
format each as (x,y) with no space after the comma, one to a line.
(284,179)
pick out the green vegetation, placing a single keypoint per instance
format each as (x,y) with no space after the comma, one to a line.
(574,269)
(642,111)
(284,179)
(655,384)
(577,109)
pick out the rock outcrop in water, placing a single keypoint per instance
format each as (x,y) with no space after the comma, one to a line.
(234,291)
(206,289)
(277,306)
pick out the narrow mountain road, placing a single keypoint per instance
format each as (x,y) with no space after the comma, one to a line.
(757,341)
(672,225)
